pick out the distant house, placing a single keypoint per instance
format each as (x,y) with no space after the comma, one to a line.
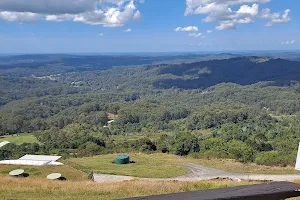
(108,123)
(34,160)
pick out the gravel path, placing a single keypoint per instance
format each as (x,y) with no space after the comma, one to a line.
(199,172)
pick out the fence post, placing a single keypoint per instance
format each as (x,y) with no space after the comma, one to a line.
(91,176)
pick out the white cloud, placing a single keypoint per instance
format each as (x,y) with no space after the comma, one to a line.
(288,42)
(127,30)
(187,29)
(24,17)
(275,17)
(225,25)
(137,15)
(59,18)
(209,31)
(247,10)
(222,11)
(101,34)
(109,13)
(195,34)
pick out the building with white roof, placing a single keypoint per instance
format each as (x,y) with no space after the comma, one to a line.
(34,160)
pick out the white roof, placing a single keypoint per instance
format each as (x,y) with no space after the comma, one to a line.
(30,162)
(40,158)
(24,162)
(4,143)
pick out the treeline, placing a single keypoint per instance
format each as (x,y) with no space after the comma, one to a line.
(233,130)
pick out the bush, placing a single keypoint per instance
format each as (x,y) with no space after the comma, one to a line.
(241,151)
(267,158)
(272,158)
(185,144)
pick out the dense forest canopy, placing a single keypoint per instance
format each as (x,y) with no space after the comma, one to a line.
(228,106)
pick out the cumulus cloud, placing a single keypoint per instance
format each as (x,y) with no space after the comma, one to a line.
(226,25)
(229,13)
(101,34)
(109,13)
(288,42)
(127,30)
(195,34)
(209,31)
(24,17)
(275,17)
(186,29)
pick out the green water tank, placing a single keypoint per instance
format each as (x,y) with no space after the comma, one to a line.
(122,159)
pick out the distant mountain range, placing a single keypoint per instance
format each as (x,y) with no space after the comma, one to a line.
(241,70)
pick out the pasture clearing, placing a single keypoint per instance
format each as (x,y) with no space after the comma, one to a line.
(167,166)
(20,139)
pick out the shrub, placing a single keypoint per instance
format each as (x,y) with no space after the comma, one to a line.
(267,158)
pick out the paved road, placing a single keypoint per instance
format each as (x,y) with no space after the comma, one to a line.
(199,172)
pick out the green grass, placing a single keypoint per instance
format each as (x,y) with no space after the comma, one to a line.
(42,171)
(167,166)
(146,166)
(19,139)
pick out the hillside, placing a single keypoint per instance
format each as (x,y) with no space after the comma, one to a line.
(242,71)
(244,108)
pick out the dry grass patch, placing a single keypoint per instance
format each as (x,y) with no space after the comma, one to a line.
(234,166)
(26,188)
(112,116)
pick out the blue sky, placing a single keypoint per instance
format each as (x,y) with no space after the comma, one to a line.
(55,26)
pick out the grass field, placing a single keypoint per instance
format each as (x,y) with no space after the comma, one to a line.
(167,166)
(35,189)
(68,172)
(23,138)
(146,166)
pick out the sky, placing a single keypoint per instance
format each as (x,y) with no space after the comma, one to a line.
(103,26)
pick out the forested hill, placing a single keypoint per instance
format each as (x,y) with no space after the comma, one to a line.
(246,108)
(242,70)
(47,64)
(24,82)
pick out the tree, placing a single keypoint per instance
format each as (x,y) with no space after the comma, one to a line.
(185,144)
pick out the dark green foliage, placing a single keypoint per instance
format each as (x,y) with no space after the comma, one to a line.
(89,149)
(241,151)
(143,145)
(184,144)
(12,151)
(267,158)
(217,114)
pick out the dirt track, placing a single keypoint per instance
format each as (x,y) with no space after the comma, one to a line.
(199,173)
